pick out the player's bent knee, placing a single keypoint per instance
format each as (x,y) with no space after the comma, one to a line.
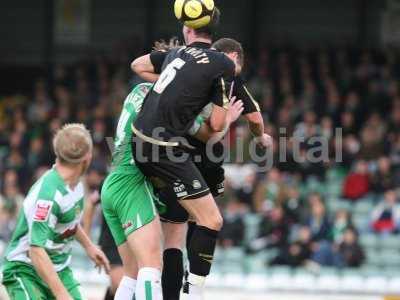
(214,221)
(151,258)
(151,255)
(217,222)
(205,211)
(149,235)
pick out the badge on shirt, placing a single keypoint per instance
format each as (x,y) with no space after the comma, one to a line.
(42,210)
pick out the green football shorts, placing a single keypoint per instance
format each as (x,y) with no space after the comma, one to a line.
(127,201)
(23,283)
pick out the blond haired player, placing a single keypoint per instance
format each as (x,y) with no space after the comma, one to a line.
(38,256)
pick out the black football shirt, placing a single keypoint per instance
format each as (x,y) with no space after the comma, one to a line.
(191,77)
(242,93)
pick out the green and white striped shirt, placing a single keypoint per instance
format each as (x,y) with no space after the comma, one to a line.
(50,217)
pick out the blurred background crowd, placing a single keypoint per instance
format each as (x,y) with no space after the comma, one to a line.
(298,213)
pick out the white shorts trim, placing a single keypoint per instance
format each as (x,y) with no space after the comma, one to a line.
(23,287)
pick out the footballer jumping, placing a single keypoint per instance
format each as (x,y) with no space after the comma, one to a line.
(175,217)
(190,77)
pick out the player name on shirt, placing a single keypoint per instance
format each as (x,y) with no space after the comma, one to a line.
(190,78)
(198,54)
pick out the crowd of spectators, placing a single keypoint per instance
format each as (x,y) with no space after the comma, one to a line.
(304,96)
(343,102)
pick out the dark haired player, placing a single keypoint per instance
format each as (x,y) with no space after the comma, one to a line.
(175,218)
(190,77)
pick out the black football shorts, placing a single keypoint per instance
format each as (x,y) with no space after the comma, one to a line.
(180,175)
(210,164)
(214,176)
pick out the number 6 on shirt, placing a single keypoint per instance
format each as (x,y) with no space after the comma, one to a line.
(168,75)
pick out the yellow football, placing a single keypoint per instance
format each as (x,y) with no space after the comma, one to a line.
(194,13)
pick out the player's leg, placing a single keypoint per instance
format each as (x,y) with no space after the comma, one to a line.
(22,283)
(142,229)
(202,244)
(145,245)
(107,244)
(191,226)
(21,288)
(204,211)
(174,230)
(127,285)
(172,275)
(187,182)
(174,235)
(116,274)
(214,176)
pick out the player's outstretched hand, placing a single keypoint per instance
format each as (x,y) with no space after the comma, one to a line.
(99,258)
(264,141)
(235,109)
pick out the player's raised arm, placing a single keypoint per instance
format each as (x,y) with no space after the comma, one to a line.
(143,67)
(220,96)
(202,131)
(251,108)
(234,50)
(218,118)
(256,123)
(148,66)
(252,114)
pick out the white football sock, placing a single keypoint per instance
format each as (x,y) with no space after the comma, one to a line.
(194,288)
(196,280)
(148,286)
(126,288)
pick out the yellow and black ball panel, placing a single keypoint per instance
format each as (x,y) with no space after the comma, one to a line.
(194,13)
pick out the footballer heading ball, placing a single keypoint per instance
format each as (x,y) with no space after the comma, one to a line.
(194,13)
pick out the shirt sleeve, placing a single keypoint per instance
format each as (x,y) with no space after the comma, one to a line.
(241,92)
(196,125)
(222,85)
(42,223)
(157,60)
